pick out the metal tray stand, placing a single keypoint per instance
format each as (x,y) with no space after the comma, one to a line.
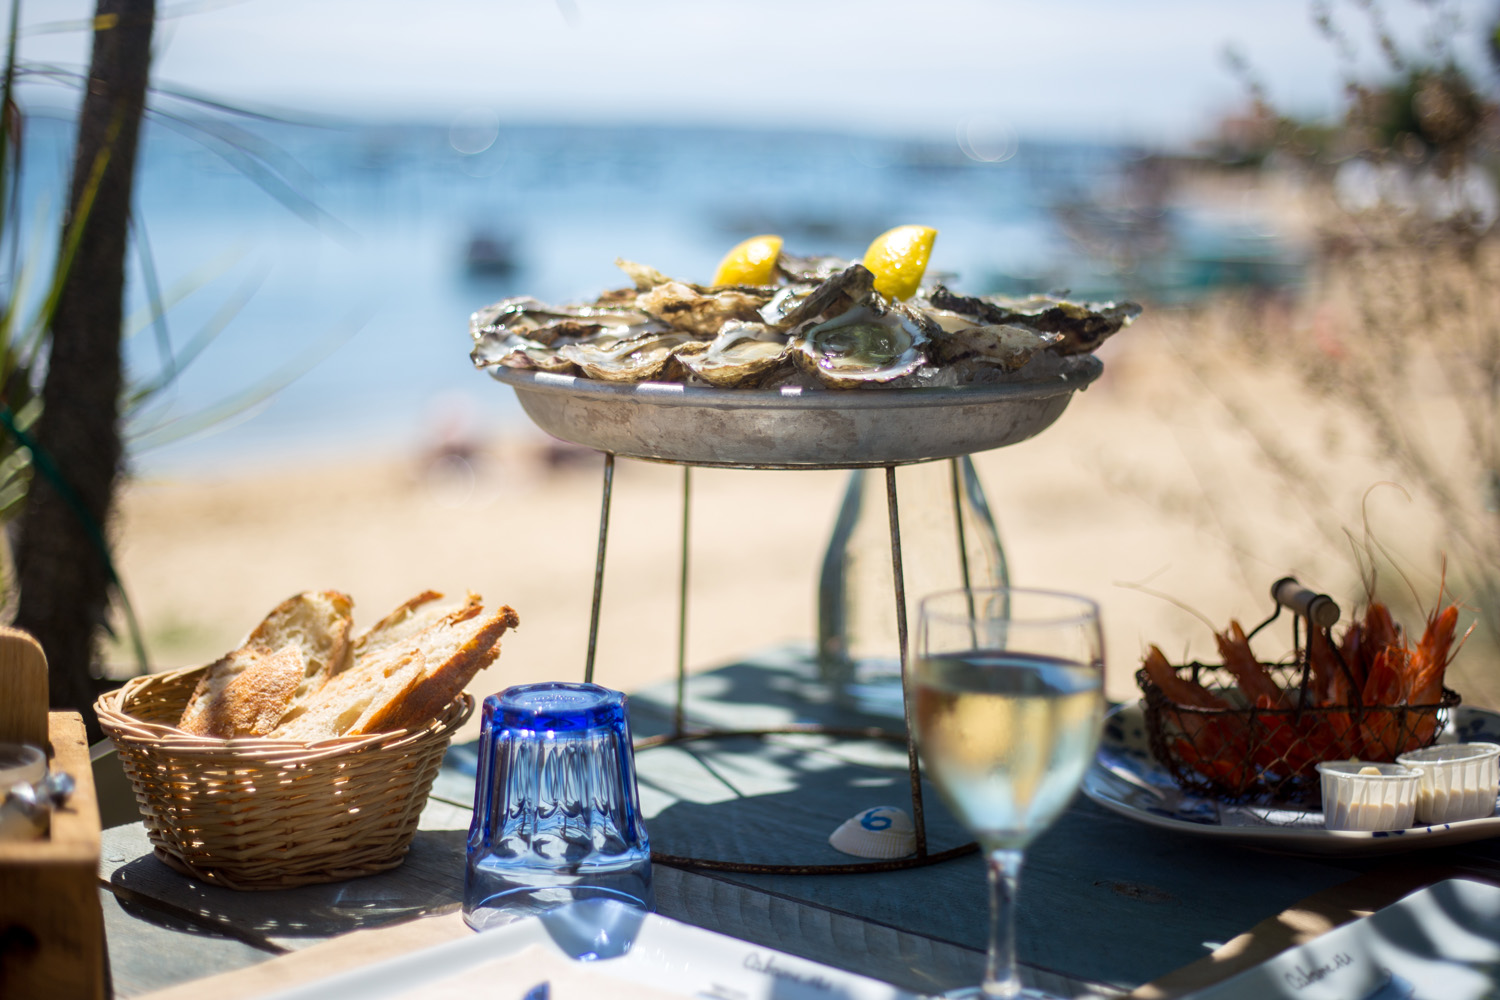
(789,429)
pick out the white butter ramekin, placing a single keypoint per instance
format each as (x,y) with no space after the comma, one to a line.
(1459,781)
(1385,800)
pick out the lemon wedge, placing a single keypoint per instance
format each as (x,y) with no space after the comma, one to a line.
(752,262)
(898,259)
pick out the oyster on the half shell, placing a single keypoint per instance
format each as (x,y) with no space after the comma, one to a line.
(861,347)
(516,351)
(798,304)
(701,311)
(1007,346)
(546,324)
(741,353)
(1083,326)
(636,357)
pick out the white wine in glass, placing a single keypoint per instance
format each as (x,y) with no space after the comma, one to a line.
(1008,702)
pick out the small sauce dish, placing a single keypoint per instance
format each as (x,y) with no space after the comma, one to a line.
(1360,795)
(1459,781)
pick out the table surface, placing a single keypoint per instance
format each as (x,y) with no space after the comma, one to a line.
(1106,904)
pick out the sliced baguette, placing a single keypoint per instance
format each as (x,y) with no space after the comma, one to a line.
(456,649)
(401,627)
(312,628)
(346,705)
(258,693)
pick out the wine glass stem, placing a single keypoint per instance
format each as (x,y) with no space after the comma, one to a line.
(1001,981)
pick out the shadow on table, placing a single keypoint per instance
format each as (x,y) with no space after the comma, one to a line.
(429,881)
(772,801)
(774,687)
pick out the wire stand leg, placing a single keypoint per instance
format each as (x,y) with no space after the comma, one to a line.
(914,768)
(682,601)
(609,479)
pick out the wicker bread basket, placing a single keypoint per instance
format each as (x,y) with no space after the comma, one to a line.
(271,814)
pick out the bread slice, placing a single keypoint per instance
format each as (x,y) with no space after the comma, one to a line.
(313,628)
(257,695)
(456,649)
(348,702)
(401,627)
(411,664)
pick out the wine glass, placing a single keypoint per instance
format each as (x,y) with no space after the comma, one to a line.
(1008,692)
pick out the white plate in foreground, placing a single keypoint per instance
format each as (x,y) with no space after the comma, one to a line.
(1126,779)
(638,957)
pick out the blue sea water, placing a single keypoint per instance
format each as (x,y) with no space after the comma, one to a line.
(354,253)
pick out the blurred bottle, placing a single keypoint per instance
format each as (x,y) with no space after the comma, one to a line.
(948,540)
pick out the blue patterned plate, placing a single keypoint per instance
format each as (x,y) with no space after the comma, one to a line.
(1125,779)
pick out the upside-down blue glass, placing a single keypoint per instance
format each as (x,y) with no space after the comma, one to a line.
(557,816)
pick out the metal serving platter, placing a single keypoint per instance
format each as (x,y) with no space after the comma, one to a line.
(793,428)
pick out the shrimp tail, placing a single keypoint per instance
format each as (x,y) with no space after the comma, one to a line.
(1253,679)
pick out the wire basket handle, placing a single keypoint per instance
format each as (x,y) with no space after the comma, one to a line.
(1318,609)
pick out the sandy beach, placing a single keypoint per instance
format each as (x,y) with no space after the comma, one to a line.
(1145,494)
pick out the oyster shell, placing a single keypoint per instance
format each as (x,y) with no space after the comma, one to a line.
(883,832)
(798,304)
(1007,346)
(861,347)
(644,276)
(699,311)
(635,357)
(741,353)
(515,351)
(1083,326)
(810,270)
(547,325)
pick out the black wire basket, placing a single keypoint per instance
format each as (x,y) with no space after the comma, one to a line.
(1248,753)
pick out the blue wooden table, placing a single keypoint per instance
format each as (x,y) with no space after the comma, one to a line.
(1106,906)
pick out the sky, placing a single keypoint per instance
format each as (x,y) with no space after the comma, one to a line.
(1118,70)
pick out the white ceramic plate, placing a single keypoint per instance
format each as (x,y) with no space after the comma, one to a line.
(646,954)
(1125,779)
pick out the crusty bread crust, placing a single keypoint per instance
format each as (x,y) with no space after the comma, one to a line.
(416,615)
(471,643)
(258,693)
(311,629)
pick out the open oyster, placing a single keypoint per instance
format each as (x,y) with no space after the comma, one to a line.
(741,353)
(525,333)
(1005,345)
(701,311)
(634,357)
(861,347)
(1081,326)
(800,303)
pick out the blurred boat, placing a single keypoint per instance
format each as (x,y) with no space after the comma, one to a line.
(489,253)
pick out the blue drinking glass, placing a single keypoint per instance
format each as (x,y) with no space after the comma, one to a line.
(557,815)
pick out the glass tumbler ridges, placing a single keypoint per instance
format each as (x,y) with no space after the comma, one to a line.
(556,808)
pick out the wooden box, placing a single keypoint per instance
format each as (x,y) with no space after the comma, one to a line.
(51,923)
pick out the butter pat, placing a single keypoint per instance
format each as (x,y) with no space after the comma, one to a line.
(1366,796)
(1459,781)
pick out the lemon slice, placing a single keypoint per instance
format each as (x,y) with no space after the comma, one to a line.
(898,259)
(753,262)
